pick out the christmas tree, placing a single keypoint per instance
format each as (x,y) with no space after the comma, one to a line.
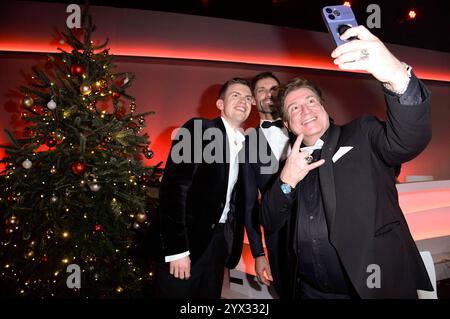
(75,190)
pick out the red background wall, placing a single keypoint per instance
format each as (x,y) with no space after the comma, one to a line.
(180,61)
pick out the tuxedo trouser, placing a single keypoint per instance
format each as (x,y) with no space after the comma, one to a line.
(206,273)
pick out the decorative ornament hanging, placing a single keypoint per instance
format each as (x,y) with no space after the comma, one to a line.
(98,228)
(78,168)
(125,80)
(51,105)
(148,153)
(77,69)
(38,109)
(50,141)
(28,101)
(85,89)
(53,170)
(141,217)
(116,95)
(27,164)
(95,187)
(132,125)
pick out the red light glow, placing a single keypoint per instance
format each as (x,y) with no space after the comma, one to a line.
(412,14)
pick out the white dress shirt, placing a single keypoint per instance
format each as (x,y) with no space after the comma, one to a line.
(278,139)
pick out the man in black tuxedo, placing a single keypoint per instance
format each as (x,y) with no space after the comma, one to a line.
(348,235)
(268,144)
(201,226)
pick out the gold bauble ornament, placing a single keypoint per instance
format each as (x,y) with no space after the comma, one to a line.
(28,101)
(85,89)
(141,217)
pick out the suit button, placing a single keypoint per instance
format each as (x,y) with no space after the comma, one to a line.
(213,226)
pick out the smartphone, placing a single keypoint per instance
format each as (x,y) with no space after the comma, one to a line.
(338,19)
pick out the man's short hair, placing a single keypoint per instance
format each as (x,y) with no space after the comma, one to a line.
(260,76)
(224,87)
(295,84)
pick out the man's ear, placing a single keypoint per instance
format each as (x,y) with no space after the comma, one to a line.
(219,104)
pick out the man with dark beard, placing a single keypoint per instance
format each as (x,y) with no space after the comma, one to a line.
(267,145)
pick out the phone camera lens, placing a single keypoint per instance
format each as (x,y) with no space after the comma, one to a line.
(337,13)
(331,16)
(328,10)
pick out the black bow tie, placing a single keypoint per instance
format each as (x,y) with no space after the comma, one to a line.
(267,124)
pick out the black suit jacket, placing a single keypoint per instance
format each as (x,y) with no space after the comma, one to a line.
(260,171)
(365,222)
(193,194)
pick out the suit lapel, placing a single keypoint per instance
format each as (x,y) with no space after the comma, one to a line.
(224,168)
(326,176)
(267,151)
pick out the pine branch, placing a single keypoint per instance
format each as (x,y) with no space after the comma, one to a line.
(12,138)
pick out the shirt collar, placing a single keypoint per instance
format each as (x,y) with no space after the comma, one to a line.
(317,146)
(261,120)
(232,133)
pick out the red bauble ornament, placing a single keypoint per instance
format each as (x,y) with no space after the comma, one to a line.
(44,259)
(98,228)
(77,69)
(115,95)
(50,141)
(10,199)
(132,125)
(38,109)
(78,168)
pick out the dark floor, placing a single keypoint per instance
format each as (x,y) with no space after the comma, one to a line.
(443,289)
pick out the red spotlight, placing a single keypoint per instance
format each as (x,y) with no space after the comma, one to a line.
(412,14)
(347,4)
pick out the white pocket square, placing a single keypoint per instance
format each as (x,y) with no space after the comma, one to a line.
(341,152)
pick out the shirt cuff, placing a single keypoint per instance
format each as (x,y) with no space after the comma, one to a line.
(413,95)
(176,257)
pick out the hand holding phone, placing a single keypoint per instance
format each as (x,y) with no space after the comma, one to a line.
(338,19)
